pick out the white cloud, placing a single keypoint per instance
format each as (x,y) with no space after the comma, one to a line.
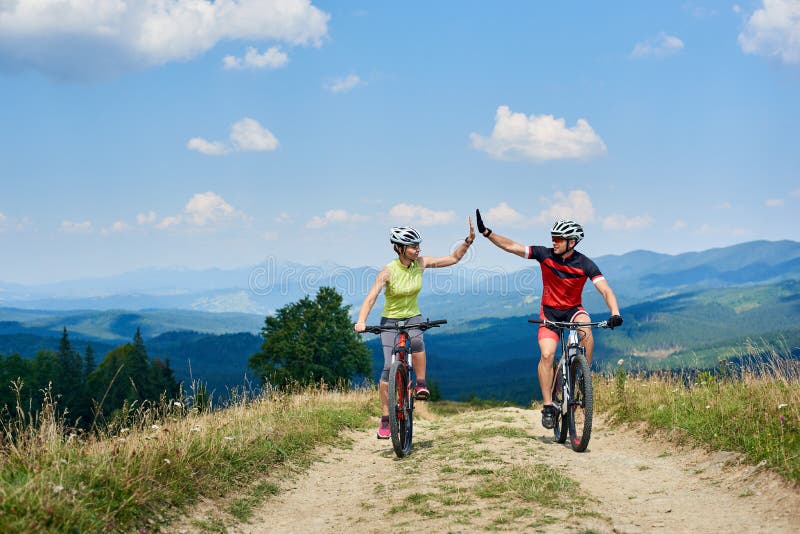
(773,202)
(420,215)
(204,210)
(269,235)
(247,135)
(273,58)
(621,222)
(773,31)
(209,148)
(168,222)
(660,46)
(90,39)
(680,224)
(575,205)
(795,193)
(284,218)
(335,217)
(209,208)
(517,136)
(70,227)
(117,227)
(146,218)
(505,215)
(343,85)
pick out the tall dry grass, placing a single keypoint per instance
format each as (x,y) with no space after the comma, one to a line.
(158,457)
(752,407)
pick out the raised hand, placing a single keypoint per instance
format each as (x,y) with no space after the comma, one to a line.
(471,237)
(486,232)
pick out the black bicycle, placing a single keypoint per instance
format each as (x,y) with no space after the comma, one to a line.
(572,384)
(402,382)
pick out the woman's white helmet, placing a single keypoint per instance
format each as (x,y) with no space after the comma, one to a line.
(405,235)
(568,230)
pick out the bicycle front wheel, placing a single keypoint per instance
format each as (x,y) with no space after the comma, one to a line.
(401,409)
(581,405)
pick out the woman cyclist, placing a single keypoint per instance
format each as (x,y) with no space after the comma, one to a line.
(402,279)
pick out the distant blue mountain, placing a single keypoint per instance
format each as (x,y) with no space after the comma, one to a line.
(459,292)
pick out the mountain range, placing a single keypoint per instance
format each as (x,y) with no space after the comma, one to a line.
(461,291)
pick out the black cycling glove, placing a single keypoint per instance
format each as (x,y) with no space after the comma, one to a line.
(481,227)
(614,321)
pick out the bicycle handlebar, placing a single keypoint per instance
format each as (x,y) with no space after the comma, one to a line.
(568,324)
(377,329)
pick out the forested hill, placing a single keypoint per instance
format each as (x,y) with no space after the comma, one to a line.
(497,357)
(218,361)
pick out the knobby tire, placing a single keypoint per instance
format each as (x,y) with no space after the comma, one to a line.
(581,405)
(401,409)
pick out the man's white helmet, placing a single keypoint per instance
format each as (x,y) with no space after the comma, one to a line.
(405,235)
(568,230)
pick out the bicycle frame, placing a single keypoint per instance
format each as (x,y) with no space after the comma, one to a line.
(402,382)
(570,348)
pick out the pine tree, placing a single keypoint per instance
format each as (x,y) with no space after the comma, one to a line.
(69,381)
(89,364)
(126,374)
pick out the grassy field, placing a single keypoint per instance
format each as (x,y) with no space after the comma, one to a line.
(753,409)
(130,476)
(159,459)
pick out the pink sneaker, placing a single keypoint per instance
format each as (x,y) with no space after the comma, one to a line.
(383,430)
(421,393)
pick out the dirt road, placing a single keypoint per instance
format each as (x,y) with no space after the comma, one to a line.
(499,470)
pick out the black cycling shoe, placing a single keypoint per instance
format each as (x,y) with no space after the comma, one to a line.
(549,416)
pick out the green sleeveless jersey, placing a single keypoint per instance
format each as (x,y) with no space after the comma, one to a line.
(402,289)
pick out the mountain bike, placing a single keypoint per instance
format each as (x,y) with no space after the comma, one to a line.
(572,385)
(402,382)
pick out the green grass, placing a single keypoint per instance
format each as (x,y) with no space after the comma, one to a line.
(134,476)
(756,414)
(536,483)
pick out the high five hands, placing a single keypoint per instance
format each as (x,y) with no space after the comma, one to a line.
(471,237)
(486,232)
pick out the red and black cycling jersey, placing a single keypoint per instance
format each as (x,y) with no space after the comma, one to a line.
(563,279)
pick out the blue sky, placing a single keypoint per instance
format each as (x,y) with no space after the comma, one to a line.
(196,134)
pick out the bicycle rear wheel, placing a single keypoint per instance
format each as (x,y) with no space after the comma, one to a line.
(581,406)
(561,424)
(401,409)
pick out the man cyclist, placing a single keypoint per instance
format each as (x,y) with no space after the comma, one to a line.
(402,279)
(564,273)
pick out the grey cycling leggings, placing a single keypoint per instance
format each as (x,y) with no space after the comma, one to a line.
(388,340)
